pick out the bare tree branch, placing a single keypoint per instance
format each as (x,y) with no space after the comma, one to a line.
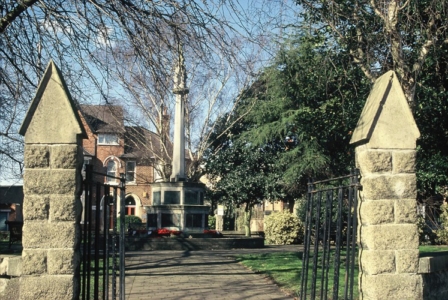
(15,13)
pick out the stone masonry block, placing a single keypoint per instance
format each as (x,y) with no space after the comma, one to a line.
(47,235)
(36,207)
(11,266)
(389,187)
(3,285)
(42,182)
(64,156)
(377,212)
(63,261)
(377,262)
(391,287)
(389,237)
(64,208)
(403,161)
(406,211)
(61,287)
(407,261)
(358,152)
(36,156)
(374,161)
(34,262)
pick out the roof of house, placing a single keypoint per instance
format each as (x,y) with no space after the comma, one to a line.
(139,142)
(142,143)
(104,118)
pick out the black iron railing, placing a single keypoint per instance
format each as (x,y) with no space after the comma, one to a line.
(102,250)
(330,238)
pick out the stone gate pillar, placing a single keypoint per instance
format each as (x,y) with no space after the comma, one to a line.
(52,184)
(385,139)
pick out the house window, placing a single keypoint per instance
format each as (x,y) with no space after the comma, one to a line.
(156,198)
(130,206)
(171,197)
(191,197)
(111,171)
(107,139)
(4,214)
(194,220)
(152,220)
(201,198)
(130,171)
(170,220)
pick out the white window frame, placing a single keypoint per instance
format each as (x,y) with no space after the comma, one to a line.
(108,172)
(133,171)
(108,139)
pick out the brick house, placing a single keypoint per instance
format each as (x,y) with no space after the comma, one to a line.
(11,200)
(113,148)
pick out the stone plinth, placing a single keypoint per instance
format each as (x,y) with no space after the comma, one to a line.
(182,201)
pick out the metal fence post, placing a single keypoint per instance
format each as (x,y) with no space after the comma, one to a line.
(122,236)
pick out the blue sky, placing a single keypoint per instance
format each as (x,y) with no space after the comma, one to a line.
(257,25)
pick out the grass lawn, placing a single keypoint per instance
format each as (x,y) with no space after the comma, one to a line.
(429,250)
(285,269)
(14,250)
(100,279)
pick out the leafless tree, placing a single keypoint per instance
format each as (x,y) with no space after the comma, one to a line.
(382,35)
(150,104)
(80,36)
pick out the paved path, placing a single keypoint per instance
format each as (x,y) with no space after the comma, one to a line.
(197,275)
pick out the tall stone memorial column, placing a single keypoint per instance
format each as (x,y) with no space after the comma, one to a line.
(52,184)
(385,139)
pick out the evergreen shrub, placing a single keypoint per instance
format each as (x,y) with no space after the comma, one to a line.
(427,235)
(442,233)
(211,222)
(128,219)
(282,228)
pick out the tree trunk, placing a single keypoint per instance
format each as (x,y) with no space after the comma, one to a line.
(247,217)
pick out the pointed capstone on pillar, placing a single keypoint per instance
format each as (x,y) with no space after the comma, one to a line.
(385,139)
(52,183)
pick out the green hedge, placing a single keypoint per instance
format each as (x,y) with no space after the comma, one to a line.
(128,219)
(282,228)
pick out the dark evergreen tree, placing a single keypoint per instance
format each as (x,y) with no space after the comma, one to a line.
(309,101)
(293,123)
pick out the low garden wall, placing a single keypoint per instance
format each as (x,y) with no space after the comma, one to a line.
(196,243)
(434,272)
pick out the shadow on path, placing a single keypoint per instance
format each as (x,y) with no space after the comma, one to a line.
(198,275)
